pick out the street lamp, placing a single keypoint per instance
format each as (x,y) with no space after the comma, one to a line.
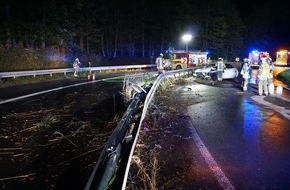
(186,38)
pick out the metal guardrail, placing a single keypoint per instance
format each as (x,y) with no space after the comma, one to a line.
(112,168)
(175,74)
(111,158)
(69,70)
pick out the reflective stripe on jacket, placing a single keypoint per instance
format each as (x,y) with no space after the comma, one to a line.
(264,71)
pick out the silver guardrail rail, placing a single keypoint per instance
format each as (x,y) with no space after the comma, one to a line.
(50,72)
(112,168)
(171,74)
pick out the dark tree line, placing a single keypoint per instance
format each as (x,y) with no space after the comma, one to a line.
(142,28)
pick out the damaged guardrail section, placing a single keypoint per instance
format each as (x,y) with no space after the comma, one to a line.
(108,169)
(112,168)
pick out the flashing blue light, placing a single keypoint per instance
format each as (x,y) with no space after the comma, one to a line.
(255,51)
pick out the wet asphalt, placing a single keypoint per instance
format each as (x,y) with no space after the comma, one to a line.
(247,136)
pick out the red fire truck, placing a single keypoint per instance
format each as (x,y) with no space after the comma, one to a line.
(256,56)
(181,59)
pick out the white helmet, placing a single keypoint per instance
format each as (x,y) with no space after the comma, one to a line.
(246,60)
(161,54)
(220,59)
(77,59)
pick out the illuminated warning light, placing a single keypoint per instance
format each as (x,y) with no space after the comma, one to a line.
(255,52)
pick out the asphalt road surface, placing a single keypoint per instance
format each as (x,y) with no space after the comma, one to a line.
(224,138)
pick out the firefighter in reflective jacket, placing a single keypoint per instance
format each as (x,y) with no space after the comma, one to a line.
(245,72)
(76,67)
(160,63)
(270,81)
(263,77)
(220,68)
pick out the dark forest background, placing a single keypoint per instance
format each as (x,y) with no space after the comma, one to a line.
(139,29)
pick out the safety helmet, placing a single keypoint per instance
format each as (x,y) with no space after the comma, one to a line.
(220,59)
(161,54)
(246,60)
(77,59)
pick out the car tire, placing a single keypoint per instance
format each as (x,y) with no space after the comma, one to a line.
(178,67)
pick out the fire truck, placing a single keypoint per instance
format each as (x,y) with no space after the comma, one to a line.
(283,58)
(181,59)
(256,56)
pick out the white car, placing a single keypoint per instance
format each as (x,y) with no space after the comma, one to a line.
(210,72)
(205,72)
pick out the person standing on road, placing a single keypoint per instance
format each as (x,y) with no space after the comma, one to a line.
(220,69)
(263,78)
(245,72)
(160,64)
(270,81)
(76,67)
(272,68)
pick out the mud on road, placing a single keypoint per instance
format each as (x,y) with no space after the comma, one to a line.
(166,156)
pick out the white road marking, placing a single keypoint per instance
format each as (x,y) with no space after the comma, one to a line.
(279,109)
(219,174)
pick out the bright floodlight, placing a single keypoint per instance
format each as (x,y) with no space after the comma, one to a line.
(186,37)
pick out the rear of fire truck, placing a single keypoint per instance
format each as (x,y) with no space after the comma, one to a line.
(283,58)
(182,59)
(256,56)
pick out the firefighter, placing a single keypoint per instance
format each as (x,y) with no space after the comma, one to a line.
(245,72)
(220,69)
(272,68)
(270,80)
(76,67)
(263,77)
(160,63)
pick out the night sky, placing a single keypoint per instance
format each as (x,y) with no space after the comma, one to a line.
(277,15)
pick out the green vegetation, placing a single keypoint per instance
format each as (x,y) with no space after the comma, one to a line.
(20,59)
(285,77)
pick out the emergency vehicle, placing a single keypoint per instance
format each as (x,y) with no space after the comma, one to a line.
(256,56)
(283,58)
(182,59)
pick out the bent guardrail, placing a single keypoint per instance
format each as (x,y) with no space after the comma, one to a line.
(104,173)
(69,70)
(112,168)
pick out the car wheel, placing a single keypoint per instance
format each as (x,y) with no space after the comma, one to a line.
(178,67)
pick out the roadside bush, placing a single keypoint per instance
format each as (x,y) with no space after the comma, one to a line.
(285,77)
(16,59)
